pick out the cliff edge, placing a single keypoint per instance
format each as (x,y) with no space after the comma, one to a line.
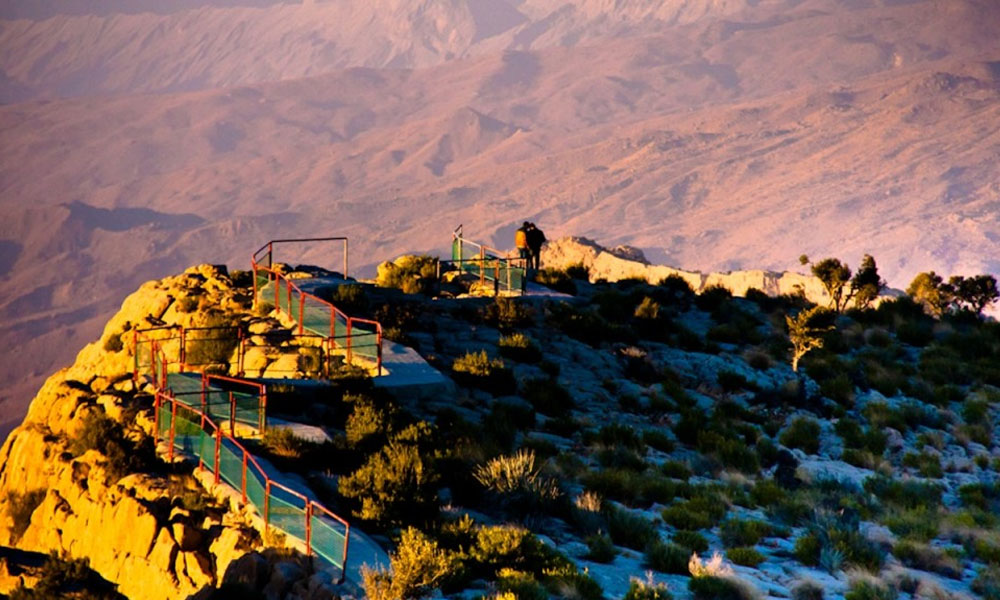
(80,476)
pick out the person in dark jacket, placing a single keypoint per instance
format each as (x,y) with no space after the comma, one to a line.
(535,240)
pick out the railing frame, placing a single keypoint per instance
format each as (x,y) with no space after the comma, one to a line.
(310,507)
(278,279)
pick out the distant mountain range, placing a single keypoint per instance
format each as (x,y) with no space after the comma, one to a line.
(713,134)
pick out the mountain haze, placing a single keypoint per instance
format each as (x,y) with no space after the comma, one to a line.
(712,134)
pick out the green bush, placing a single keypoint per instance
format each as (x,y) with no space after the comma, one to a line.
(639,590)
(396,485)
(350,298)
(519,347)
(560,281)
(904,494)
(417,566)
(367,422)
(695,513)
(838,388)
(617,435)
(692,540)
(987,583)
(807,549)
(508,314)
(745,556)
(731,381)
(123,454)
(736,532)
(870,590)
(630,530)
(67,578)
(807,590)
(675,469)
(20,507)
(658,440)
(548,397)
(477,369)
(802,433)
(411,274)
(731,451)
(830,546)
(666,558)
(477,363)
(767,492)
(517,481)
(927,464)
(918,524)
(600,548)
(113,343)
(520,585)
(926,558)
(281,441)
(710,587)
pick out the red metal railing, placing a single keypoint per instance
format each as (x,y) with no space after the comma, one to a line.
(356,336)
(507,273)
(230,462)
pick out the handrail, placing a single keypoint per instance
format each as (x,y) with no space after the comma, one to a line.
(500,267)
(269,246)
(249,462)
(349,321)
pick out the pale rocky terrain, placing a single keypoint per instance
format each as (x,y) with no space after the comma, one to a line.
(158,533)
(713,134)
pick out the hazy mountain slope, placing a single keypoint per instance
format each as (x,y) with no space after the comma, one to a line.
(192,45)
(784,127)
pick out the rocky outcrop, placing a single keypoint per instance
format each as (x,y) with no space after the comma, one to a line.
(157,533)
(624,262)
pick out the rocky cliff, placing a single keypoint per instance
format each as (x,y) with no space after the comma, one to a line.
(625,262)
(79,476)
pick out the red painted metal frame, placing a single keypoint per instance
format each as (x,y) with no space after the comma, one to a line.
(302,295)
(310,507)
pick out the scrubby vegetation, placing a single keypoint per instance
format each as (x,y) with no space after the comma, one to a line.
(634,425)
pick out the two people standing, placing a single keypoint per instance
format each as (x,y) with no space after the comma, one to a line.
(529,239)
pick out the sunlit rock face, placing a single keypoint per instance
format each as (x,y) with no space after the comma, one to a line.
(132,527)
(626,263)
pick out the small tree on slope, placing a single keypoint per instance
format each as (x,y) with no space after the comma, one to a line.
(804,332)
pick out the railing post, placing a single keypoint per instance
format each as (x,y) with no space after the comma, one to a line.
(343,561)
(173,429)
(232,417)
(345,258)
(243,486)
(288,286)
(482,265)
(302,312)
(156,416)
(308,527)
(135,355)
(267,502)
(183,350)
(263,410)
(350,341)
(163,370)
(218,452)
(254,305)
(277,293)
(378,338)
(201,437)
(239,356)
